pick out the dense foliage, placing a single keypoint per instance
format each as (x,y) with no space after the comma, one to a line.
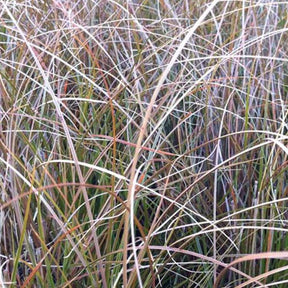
(143,143)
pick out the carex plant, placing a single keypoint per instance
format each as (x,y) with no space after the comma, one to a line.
(143,143)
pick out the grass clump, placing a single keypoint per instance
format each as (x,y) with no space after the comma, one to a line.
(143,144)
